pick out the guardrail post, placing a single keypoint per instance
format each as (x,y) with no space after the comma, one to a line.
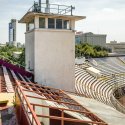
(71,10)
(62,115)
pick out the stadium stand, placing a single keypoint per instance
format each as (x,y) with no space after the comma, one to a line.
(101,89)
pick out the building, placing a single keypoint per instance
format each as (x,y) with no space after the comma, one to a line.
(50,45)
(12,31)
(118,48)
(15,32)
(90,38)
(113,42)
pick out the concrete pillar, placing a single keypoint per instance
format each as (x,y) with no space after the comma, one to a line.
(36,22)
(72,24)
(46,23)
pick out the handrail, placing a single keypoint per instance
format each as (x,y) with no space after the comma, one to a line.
(34,118)
(62,99)
(62,118)
(52,8)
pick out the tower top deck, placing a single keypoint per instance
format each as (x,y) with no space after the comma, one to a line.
(31,15)
(51,8)
(51,11)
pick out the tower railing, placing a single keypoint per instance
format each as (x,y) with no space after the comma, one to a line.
(51,8)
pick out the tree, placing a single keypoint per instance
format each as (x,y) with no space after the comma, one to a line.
(90,51)
(22,58)
(6,53)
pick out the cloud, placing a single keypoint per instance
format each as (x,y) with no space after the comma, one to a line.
(103,16)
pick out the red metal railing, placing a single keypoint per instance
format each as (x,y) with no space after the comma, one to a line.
(30,114)
(59,97)
(66,119)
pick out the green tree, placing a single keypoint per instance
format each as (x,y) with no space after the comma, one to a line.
(6,53)
(87,50)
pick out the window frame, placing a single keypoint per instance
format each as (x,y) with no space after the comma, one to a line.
(67,24)
(44,25)
(31,25)
(58,24)
(50,26)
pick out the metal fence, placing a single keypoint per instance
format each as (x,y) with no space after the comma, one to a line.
(51,8)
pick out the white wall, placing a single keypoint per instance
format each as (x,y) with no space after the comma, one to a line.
(55,58)
(29,51)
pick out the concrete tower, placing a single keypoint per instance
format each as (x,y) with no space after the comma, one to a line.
(50,44)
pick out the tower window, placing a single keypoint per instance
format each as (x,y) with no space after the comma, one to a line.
(66,24)
(51,23)
(31,25)
(58,23)
(41,22)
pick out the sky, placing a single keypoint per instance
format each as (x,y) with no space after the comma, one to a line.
(102,16)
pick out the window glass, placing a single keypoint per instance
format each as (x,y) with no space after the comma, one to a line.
(27,27)
(41,22)
(66,24)
(31,25)
(51,23)
(58,23)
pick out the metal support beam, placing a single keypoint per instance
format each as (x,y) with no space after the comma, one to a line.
(40,5)
(47,9)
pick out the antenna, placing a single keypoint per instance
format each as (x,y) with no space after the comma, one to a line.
(40,5)
(47,9)
(47,1)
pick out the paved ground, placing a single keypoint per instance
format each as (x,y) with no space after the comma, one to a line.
(106,113)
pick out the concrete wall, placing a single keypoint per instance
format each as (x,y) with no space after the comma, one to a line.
(51,53)
(55,58)
(29,51)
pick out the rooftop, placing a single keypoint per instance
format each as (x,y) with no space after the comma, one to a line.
(50,10)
